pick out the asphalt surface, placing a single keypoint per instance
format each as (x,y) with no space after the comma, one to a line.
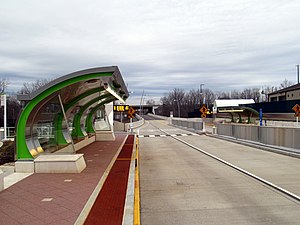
(180,185)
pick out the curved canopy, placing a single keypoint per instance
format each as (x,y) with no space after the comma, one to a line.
(42,124)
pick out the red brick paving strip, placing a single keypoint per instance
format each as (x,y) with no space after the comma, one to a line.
(108,208)
(21,203)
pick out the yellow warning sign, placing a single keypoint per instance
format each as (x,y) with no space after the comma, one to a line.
(296,108)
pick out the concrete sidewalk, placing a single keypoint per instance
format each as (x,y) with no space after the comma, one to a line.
(57,198)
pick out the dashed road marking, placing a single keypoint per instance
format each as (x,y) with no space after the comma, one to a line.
(166,135)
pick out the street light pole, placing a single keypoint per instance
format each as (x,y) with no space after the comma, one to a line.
(178,109)
(141,103)
(297,73)
(201,93)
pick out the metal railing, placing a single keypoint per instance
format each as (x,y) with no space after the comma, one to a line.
(10,131)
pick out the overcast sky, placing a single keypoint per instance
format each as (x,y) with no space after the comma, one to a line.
(158,45)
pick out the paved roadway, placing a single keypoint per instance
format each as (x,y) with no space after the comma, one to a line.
(180,185)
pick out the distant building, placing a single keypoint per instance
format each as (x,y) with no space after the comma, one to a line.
(226,105)
(286,94)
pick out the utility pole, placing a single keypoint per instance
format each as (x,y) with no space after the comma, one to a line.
(297,73)
(3,103)
(201,93)
(141,103)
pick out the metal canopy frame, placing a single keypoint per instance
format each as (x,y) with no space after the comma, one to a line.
(83,90)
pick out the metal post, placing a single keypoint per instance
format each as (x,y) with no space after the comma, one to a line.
(141,103)
(201,93)
(66,120)
(297,73)
(178,109)
(260,117)
(5,120)
(131,126)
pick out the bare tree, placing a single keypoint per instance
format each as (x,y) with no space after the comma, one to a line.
(209,97)
(29,87)
(150,102)
(223,95)
(286,83)
(3,85)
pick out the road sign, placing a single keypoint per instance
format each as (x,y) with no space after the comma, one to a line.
(296,108)
(204,111)
(131,112)
(121,108)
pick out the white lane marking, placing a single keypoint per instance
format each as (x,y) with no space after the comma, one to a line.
(151,135)
(184,135)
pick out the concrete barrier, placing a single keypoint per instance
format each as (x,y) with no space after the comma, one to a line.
(159,117)
(118,126)
(195,124)
(1,180)
(277,136)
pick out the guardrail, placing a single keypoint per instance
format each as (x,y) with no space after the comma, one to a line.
(277,136)
(10,132)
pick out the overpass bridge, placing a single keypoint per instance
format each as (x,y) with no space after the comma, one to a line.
(145,109)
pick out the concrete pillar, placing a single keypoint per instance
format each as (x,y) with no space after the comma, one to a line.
(1,180)
(107,135)
(110,114)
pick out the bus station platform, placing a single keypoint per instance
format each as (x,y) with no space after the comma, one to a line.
(68,198)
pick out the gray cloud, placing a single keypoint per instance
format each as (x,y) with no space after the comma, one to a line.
(158,45)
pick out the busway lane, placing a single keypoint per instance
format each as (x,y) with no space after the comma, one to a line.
(181,186)
(281,170)
(152,127)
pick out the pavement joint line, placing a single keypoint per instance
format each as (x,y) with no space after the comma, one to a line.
(68,180)
(46,199)
(90,202)
(268,183)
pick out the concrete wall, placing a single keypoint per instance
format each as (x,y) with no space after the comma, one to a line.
(1,180)
(195,124)
(118,126)
(278,136)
